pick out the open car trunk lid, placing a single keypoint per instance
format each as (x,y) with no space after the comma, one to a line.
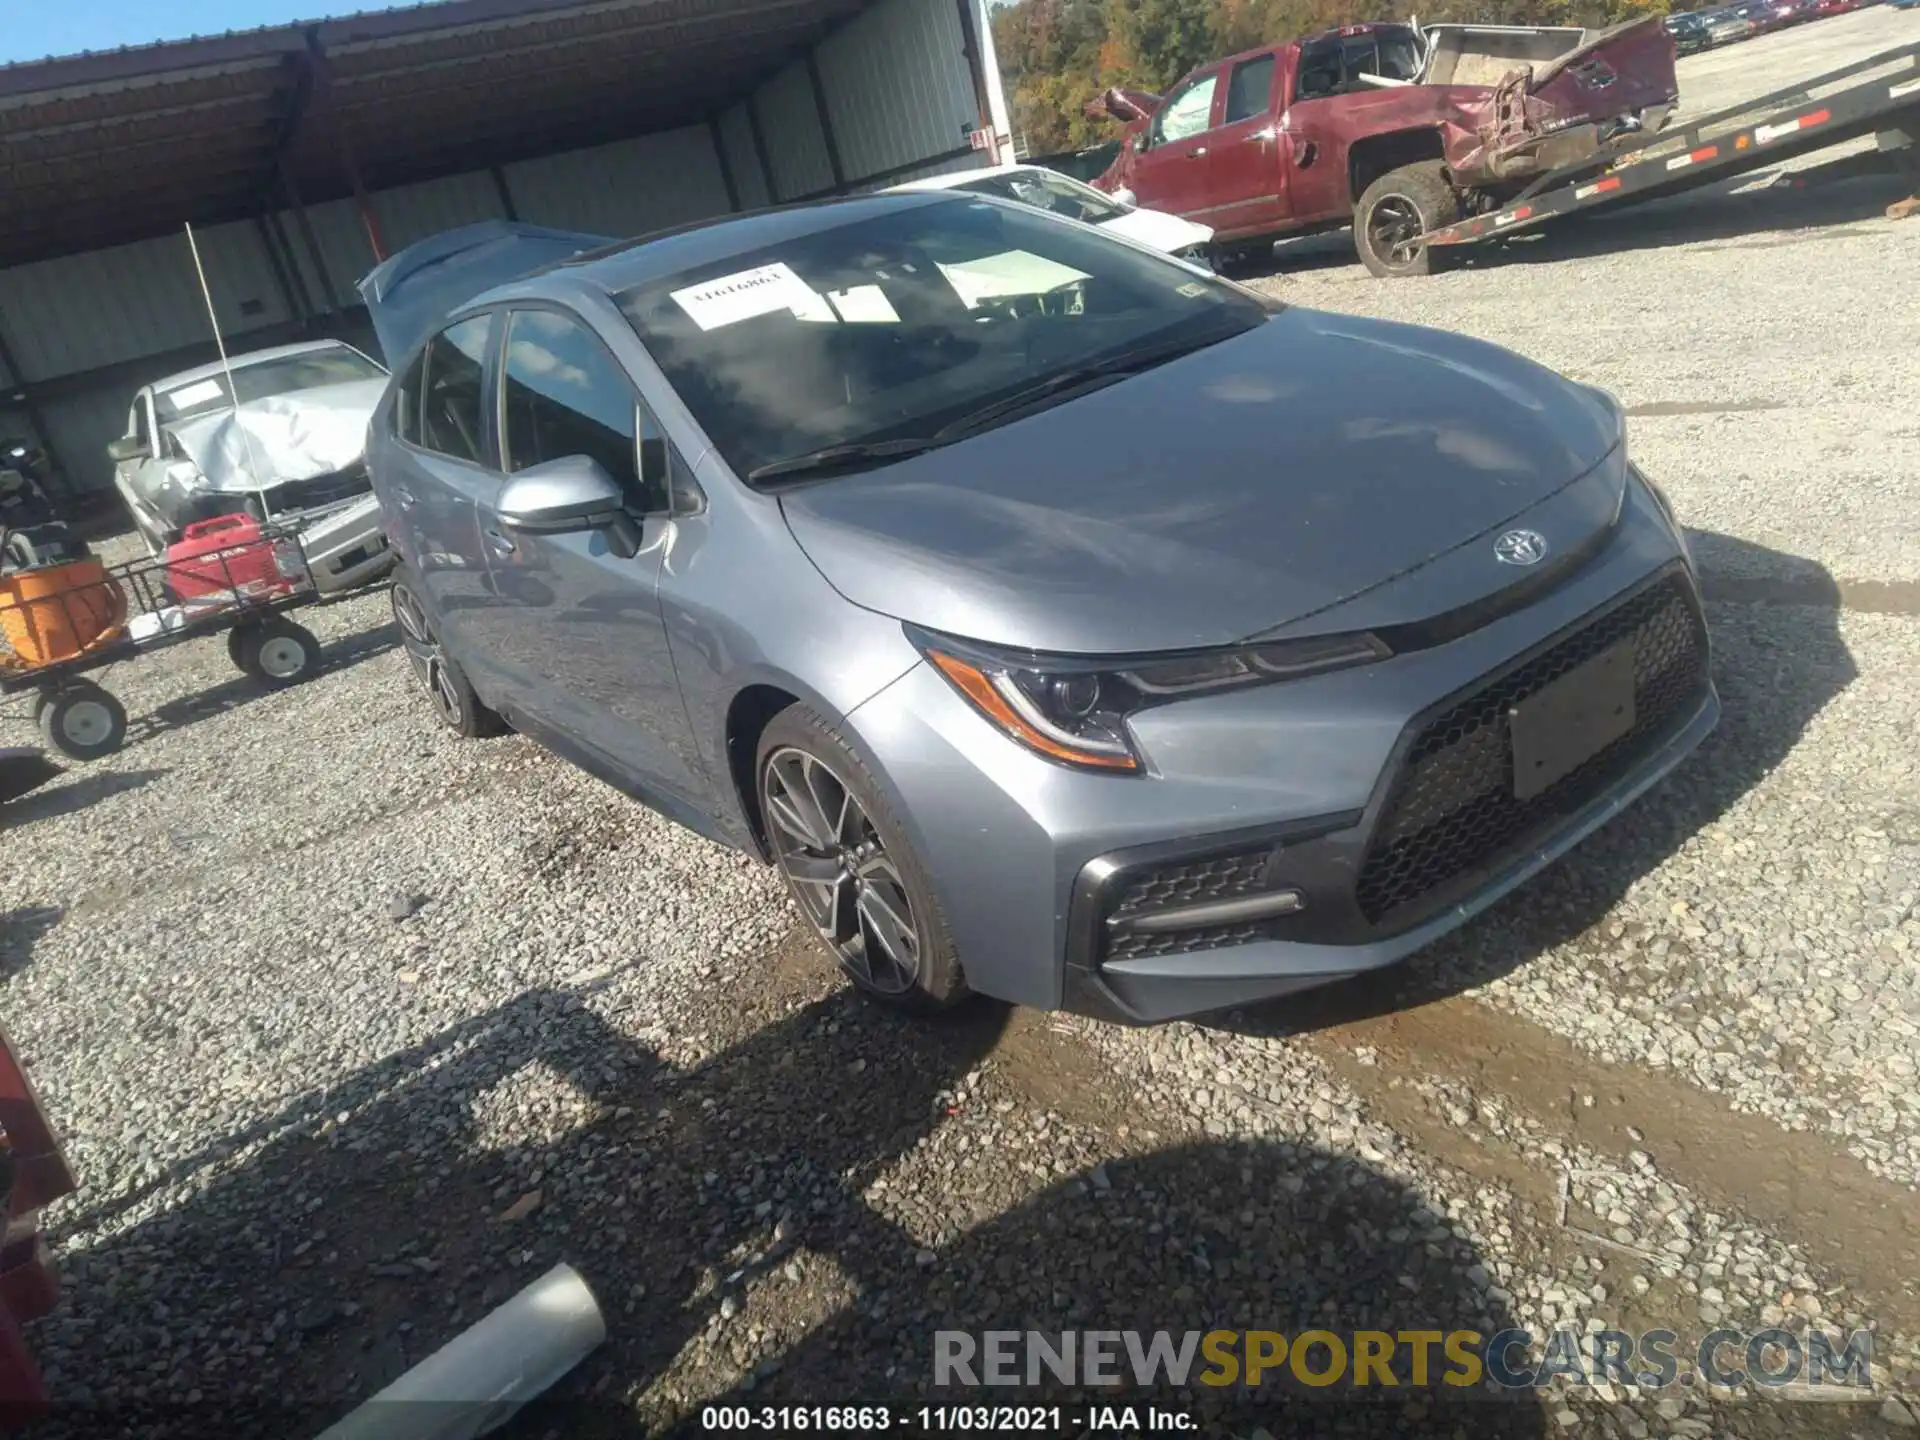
(409,293)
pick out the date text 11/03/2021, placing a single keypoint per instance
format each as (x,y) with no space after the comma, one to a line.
(944,1419)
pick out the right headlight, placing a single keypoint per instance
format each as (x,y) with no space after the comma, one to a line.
(1075,710)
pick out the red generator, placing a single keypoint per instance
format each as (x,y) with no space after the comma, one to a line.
(231,558)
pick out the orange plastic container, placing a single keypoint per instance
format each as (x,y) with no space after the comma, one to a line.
(60,612)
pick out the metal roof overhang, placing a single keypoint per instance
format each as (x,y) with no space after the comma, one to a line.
(110,147)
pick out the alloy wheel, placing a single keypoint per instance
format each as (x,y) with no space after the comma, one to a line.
(1392,228)
(424,654)
(847,884)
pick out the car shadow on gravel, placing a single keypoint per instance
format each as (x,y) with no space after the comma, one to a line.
(726,1214)
(1214,1235)
(74,793)
(1777,666)
(20,931)
(242,690)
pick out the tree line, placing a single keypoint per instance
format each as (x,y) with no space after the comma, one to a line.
(1055,55)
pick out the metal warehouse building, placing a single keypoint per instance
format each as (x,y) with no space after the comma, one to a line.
(303,154)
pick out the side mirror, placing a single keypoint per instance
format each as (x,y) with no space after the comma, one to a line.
(127,449)
(565,497)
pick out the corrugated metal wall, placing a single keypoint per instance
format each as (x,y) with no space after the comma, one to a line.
(81,312)
(897,92)
(647,183)
(897,86)
(790,124)
(736,133)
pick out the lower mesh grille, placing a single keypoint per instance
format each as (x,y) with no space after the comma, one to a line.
(1452,810)
(1192,882)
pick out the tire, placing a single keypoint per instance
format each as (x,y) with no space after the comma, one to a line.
(1232,261)
(276,652)
(237,650)
(856,912)
(82,722)
(1414,195)
(448,691)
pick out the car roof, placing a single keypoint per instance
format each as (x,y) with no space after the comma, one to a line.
(251,357)
(641,261)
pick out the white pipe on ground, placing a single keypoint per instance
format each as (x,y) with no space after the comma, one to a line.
(476,1381)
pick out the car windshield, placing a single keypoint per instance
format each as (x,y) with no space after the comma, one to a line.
(281,376)
(889,328)
(1045,191)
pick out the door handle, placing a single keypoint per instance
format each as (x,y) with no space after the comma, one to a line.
(403,497)
(498,543)
(1196,154)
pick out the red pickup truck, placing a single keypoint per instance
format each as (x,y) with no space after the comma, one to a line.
(1394,130)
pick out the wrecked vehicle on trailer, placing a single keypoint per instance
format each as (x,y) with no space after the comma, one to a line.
(293,449)
(1391,128)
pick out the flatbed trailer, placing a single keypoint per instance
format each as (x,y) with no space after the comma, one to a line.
(1809,115)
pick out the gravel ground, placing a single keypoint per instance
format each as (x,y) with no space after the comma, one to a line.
(352,1028)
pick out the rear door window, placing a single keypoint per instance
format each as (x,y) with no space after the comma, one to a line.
(453,391)
(1249,89)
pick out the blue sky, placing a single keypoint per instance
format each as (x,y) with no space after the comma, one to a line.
(62,27)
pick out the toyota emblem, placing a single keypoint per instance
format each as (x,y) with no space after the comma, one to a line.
(1520,547)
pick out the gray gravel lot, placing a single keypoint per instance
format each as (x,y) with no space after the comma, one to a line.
(1671,1083)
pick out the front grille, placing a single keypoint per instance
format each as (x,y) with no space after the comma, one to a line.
(294,495)
(1190,882)
(1452,812)
(1126,946)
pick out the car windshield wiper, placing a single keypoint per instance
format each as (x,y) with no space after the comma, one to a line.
(1062,385)
(845,457)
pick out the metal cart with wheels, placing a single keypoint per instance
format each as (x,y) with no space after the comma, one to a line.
(62,622)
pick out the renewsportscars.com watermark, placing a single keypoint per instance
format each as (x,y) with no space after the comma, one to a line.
(1382,1359)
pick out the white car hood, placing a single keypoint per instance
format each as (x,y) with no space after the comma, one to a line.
(300,436)
(1164,232)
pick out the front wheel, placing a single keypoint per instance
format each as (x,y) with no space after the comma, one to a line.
(1395,211)
(850,867)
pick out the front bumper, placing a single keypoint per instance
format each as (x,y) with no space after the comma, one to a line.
(1324,788)
(346,547)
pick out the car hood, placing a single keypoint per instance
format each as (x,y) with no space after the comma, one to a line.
(280,438)
(1162,231)
(1221,496)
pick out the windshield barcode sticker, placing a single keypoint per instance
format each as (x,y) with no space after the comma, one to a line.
(750,293)
(190,395)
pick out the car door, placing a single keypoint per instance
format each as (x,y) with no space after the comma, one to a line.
(1170,171)
(128,474)
(1246,178)
(443,469)
(1312,140)
(578,634)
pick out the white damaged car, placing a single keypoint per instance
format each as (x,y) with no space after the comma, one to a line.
(1045,189)
(292,450)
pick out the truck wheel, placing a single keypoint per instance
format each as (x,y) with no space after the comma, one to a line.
(1398,207)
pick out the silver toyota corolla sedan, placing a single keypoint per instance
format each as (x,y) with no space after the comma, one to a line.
(1068,625)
